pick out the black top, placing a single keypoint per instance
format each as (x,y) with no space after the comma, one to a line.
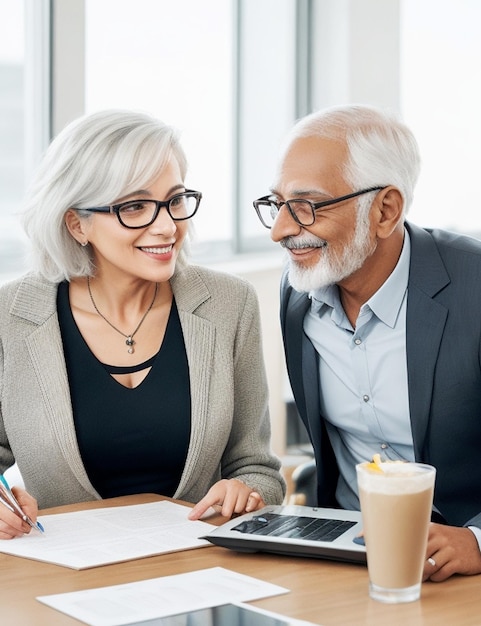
(130,440)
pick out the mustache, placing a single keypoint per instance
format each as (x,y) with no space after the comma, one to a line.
(303,241)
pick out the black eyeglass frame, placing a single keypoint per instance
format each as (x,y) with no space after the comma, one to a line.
(315,206)
(116,208)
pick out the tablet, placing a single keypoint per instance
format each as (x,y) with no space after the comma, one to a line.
(237,614)
(295,530)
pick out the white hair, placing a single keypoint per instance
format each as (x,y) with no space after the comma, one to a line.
(382,150)
(92,162)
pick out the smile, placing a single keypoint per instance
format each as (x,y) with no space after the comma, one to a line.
(298,244)
(164,250)
(302,250)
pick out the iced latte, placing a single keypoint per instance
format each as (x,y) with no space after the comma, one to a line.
(396,504)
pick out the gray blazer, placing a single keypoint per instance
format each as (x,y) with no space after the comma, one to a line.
(443,346)
(230,431)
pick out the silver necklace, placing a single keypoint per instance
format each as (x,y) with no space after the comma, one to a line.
(129,339)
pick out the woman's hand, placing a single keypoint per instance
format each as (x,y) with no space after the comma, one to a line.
(233,496)
(11,525)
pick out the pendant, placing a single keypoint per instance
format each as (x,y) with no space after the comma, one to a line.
(130,342)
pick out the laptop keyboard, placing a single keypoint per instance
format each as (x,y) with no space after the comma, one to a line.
(294,527)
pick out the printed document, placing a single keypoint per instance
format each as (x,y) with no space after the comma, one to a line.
(84,539)
(135,602)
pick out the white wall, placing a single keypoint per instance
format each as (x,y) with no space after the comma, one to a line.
(356,52)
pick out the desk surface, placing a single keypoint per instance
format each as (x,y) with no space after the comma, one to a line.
(322,592)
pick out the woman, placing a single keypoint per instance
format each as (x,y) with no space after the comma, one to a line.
(123,368)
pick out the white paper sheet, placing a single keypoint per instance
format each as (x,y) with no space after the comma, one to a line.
(84,539)
(120,605)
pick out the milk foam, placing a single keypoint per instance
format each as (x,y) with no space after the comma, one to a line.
(395,478)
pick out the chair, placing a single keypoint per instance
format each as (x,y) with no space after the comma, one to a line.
(304,484)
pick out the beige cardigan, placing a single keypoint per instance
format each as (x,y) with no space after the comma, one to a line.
(230,432)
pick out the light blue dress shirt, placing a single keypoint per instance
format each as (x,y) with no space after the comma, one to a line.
(364,389)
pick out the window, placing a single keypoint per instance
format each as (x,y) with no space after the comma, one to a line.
(233,75)
(174,60)
(205,68)
(222,71)
(421,59)
(441,100)
(24,117)
(12,134)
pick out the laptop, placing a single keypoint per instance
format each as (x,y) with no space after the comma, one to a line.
(295,530)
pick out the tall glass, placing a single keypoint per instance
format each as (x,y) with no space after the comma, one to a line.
(396,504)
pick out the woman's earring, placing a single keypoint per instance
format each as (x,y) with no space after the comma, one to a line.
(84,243)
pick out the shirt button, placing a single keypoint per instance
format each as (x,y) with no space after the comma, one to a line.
(357,341)
(384,446)
(365,398)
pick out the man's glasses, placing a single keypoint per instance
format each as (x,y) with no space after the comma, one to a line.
(302,211)
(142,213)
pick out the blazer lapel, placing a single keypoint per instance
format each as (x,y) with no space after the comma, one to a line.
(303,367)
(45,349)
(425,323)
(302,361)
(46,352)
(199,336)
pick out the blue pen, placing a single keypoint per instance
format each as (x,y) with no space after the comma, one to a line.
(10,501)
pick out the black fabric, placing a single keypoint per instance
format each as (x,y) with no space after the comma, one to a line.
(130,440)
(129,369)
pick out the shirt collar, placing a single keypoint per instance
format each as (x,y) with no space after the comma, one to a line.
(386,302)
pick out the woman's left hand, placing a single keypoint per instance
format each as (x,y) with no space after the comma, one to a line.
(233,496)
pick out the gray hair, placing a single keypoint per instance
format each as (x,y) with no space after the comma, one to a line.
(92,162)
(382,150)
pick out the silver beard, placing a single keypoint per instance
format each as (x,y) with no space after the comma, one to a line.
(332,267)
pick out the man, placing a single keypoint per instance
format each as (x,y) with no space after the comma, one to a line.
(381,321)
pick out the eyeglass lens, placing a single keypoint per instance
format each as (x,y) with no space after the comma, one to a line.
(139,213)
(302,210)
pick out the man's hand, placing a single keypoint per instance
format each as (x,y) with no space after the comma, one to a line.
(232,495)
(451,550)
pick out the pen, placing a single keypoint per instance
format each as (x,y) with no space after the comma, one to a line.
(10,501)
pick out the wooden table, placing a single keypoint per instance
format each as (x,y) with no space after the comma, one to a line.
(322,592)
